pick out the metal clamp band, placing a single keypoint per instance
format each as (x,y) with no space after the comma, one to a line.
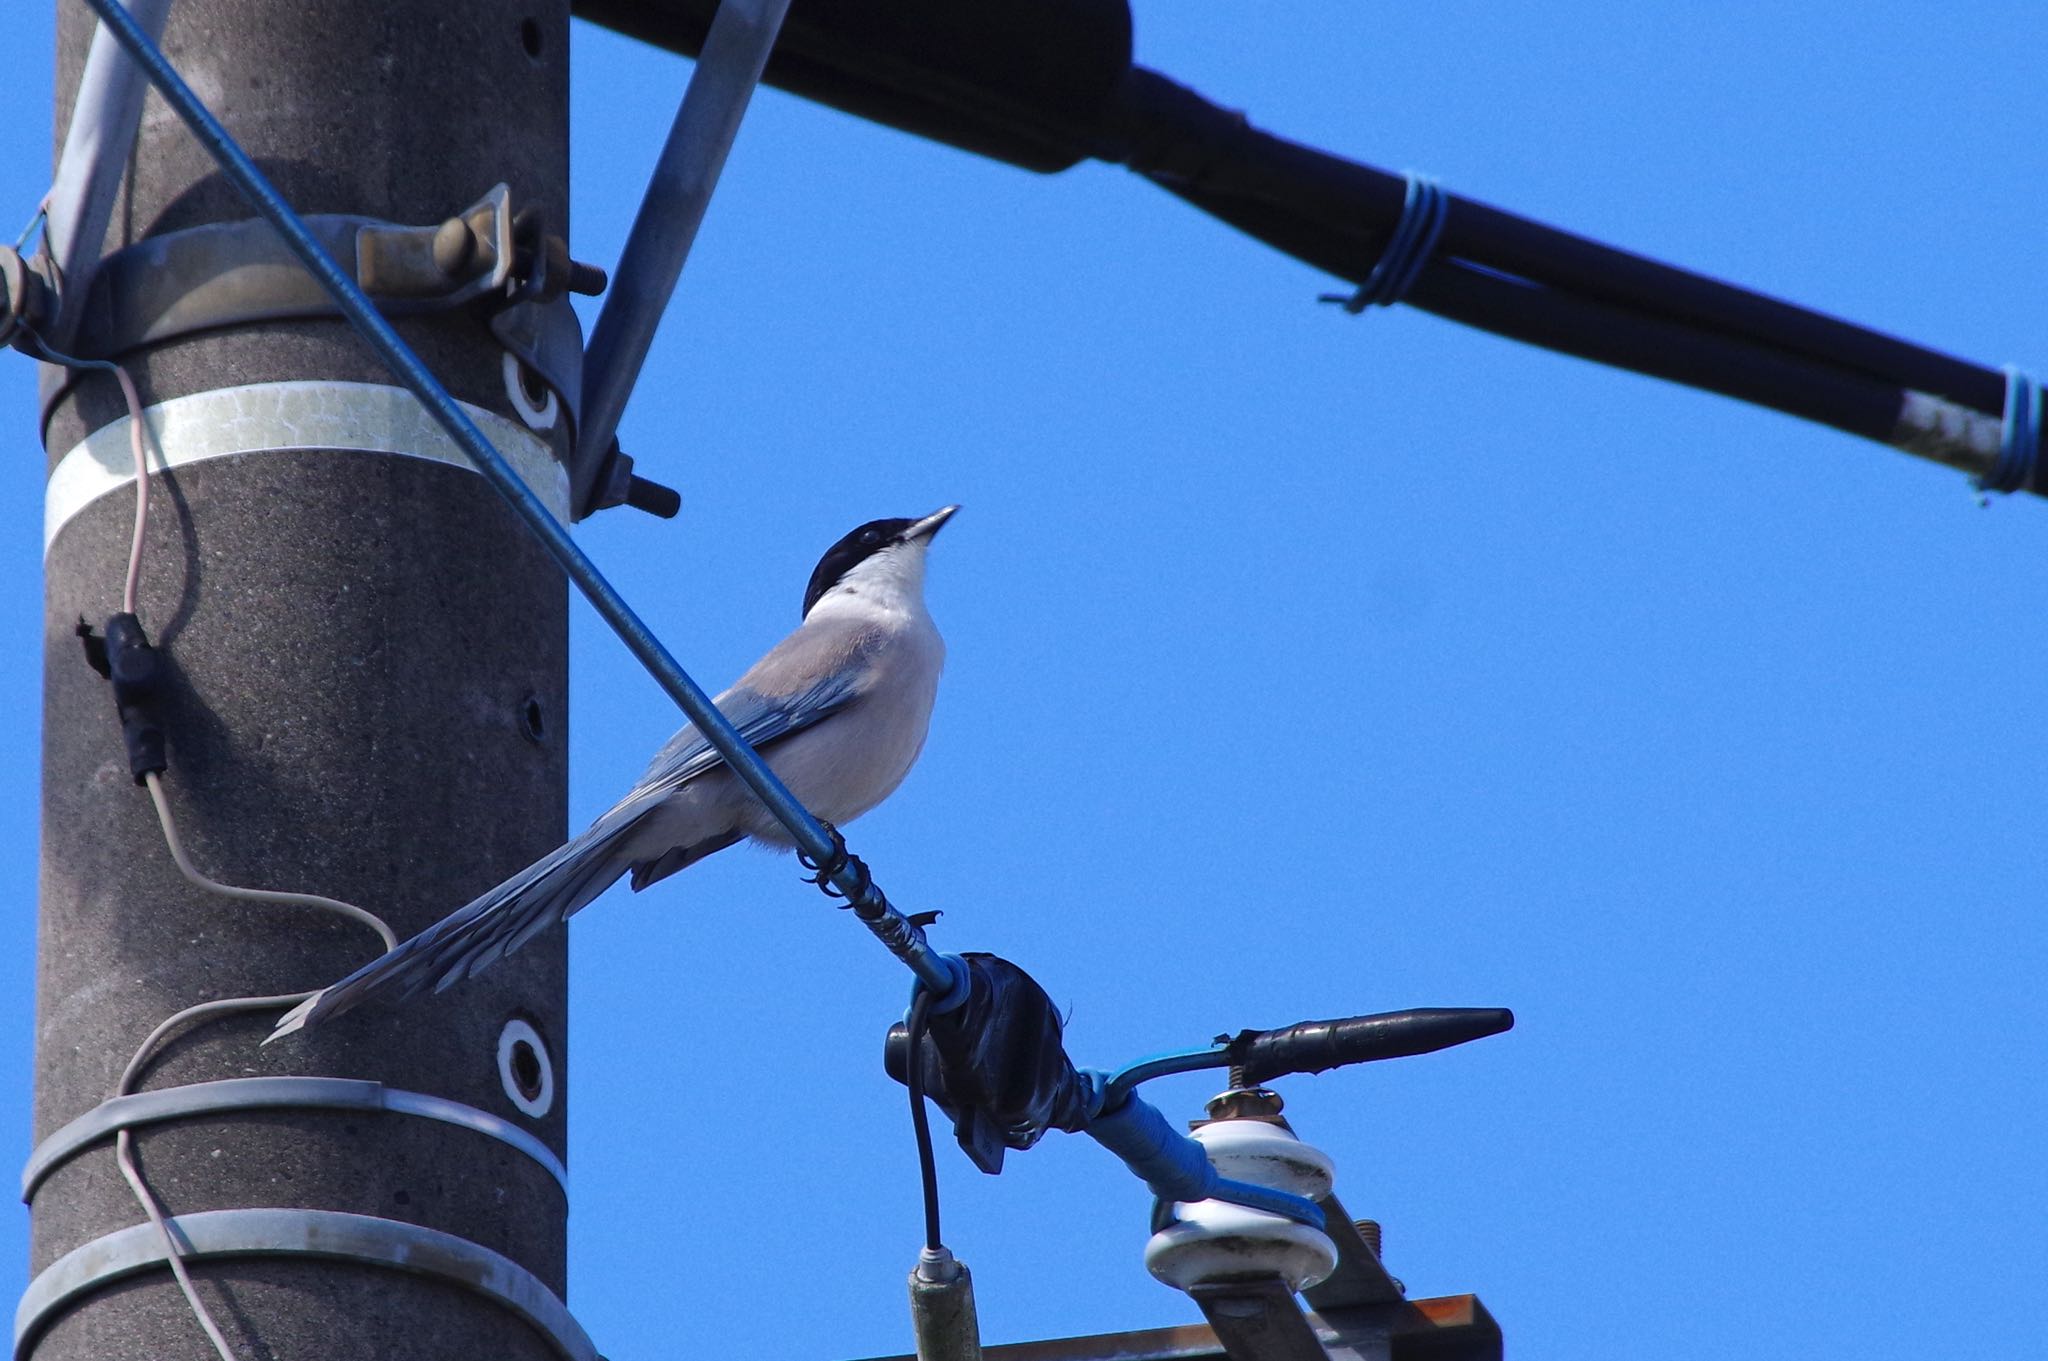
(272,1093)
(326,1234)
(227,273)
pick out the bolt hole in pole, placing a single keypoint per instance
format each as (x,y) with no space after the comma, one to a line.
(525,1068)
(533,720)
(530,39)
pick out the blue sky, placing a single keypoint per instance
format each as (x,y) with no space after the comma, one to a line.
(1304,665)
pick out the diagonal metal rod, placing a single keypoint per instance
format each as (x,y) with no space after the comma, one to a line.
(937,971)
(678,192)
(89,170)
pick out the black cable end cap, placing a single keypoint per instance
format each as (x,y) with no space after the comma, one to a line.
(1314,1046)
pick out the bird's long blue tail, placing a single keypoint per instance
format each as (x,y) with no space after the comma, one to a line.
(473,938)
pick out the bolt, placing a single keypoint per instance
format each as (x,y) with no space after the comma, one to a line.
(586,279)
(1369,1230)
(583,278)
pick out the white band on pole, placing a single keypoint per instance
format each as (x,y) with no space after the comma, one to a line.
(365,418)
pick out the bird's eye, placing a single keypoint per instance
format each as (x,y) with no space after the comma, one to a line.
(869,538)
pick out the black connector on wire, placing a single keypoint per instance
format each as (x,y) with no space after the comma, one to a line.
(125,657)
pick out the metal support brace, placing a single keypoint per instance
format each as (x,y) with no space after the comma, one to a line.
(728,69)
(1360,1281)
(1258,1320)
(95,157)
(320,1234)
(1261,1320)
(271,1093)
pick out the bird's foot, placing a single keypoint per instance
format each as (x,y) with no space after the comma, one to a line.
(825,872)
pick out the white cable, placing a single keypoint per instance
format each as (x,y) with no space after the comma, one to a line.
(131,1172)
(139,438)
(139,434)
(124,1153)
(203,1011)
(124,1149)
(256,895)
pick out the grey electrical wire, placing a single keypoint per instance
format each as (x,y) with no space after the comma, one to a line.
(256,895)
(140,439)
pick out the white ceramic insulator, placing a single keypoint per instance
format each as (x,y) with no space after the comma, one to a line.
(1214,1240)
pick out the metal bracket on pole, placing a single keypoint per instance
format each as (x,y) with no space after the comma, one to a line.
(728,69)
(1258,1320)
(486,257)
(232,272)
(1261,1321)
(24,296)
(271,1093)
(95,156)
(320,1234)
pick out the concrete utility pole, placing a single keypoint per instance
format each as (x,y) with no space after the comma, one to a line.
(367,700)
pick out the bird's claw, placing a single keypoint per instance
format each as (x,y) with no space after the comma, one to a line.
(841,860)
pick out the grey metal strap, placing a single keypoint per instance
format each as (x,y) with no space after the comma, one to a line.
(231,272)
(272,1093)
(728,68)
(323,1234)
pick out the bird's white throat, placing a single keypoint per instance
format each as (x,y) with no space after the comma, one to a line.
(884,584)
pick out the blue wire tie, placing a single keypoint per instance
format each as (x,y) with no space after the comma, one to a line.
(1415,237)
(2019,445)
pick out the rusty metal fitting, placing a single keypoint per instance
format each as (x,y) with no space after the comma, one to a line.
(1246,1103)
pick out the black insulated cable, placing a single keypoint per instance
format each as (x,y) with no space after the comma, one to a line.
(1046,83)
(1176,137)
(1516,277)
(920,1123)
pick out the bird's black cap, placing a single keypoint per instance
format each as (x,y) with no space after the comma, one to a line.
(863,543)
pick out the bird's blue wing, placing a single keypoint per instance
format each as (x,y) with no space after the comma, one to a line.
(761,719)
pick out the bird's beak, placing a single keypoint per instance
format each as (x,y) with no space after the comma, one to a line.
(929,525)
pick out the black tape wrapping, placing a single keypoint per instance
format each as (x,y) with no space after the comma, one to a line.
(136,669)
(996,1064)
